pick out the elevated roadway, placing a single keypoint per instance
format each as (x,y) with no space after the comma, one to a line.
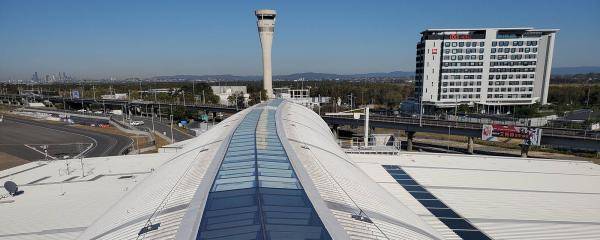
(558,138)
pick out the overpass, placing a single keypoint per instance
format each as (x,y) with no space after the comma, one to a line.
(112,103)
(569,139)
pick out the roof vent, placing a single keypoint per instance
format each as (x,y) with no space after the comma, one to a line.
(12,188)
(362,217)
(149,228)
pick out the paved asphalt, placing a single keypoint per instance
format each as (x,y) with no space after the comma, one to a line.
(61,138)
(162,127)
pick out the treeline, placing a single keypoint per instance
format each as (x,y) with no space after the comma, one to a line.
(588,78)
(565,97)
(382,94)
(181,91)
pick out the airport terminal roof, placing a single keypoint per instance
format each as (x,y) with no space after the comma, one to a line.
(504,197)
(274,171)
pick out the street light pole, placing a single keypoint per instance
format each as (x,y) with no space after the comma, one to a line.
(366,127)
(421,111)
(152,119)
(172,139)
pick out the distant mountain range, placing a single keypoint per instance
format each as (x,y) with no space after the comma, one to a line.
(574,70)
(333,76)
(294,76)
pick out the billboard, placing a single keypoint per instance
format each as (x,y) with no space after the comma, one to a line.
(75,94)
(530,136)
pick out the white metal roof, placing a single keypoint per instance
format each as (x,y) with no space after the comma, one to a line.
(506,198)
(57,205)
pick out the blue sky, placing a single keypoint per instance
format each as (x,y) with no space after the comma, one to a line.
(145,38)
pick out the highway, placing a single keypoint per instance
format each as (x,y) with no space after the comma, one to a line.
(24,139)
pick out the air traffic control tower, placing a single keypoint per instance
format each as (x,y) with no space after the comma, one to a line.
(266,28)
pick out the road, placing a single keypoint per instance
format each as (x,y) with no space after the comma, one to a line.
(162,127)
(24,139)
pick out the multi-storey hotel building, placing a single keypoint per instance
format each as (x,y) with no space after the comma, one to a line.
(490,67)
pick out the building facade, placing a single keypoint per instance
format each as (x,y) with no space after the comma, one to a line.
(488,67)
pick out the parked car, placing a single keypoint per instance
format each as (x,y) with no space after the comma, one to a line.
(136,123)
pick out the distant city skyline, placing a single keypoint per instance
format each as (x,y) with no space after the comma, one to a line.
(145,38)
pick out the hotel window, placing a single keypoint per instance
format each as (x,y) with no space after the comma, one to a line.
(461,44)
(481,58)
(468,44)
(534,49)
(447,44)
(494,43)
(453,44)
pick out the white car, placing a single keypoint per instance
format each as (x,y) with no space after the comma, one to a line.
(98,112)
(136,123)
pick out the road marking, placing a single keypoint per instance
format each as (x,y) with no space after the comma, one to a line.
(43,153)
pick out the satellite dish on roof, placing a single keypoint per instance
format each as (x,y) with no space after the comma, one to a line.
(12,188)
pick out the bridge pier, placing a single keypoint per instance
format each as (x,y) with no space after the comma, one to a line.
(470,145)
(524,150)
(336,131)
(409,140)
